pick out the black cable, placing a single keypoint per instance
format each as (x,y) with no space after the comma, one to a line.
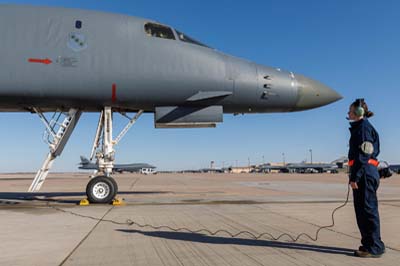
(130,222)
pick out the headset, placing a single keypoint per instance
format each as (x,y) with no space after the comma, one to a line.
(359,110)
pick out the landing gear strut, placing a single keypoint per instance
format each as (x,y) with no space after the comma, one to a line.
(102,188)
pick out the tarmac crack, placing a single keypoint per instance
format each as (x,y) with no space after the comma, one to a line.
(392,205)
(134,183)
(86,236)
(248,256)
(173,253)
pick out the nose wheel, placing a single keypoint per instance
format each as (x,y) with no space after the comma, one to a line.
(101,189)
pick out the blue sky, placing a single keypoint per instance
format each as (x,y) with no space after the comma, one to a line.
(352,46)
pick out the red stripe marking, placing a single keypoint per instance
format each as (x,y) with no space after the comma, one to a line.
(41,61)
(114,93)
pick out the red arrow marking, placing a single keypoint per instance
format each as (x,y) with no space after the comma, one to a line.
(41,61)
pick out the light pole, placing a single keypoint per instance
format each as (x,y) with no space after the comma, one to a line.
(283,158)
(310,150)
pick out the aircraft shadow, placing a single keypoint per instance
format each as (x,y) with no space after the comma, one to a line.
(49,196)
(201,238)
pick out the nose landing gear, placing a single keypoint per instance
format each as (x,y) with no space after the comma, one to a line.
(102,188)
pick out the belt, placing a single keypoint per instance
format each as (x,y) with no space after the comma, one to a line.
(370,161)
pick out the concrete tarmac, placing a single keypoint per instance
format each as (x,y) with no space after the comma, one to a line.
(48,228)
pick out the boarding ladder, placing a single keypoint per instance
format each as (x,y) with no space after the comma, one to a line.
(56,136)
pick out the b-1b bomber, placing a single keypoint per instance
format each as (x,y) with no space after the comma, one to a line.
(58,63)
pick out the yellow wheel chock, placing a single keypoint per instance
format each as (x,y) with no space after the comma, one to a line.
(118,202)
(84,202)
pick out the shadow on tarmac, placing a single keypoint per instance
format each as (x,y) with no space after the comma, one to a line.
(201,238)
(49,196)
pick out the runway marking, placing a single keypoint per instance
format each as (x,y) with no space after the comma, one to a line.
(86,236)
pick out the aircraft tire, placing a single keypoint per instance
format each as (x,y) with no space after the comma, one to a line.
(101,189)
(115,185)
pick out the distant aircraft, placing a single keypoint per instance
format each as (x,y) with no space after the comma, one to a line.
(86,164)
(312,167)
(303,167)
(395,168)
(70,61)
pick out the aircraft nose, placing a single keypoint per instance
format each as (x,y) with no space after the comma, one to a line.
(312,94)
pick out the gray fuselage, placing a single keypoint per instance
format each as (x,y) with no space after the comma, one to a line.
(115,63)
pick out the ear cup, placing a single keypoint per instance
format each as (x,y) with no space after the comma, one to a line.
(359,111)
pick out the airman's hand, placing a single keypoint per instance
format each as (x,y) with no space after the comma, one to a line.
(353,185)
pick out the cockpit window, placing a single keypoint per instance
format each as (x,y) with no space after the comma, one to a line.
(184,38)
(160,31)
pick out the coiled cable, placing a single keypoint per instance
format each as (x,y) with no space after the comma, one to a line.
(267,235)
